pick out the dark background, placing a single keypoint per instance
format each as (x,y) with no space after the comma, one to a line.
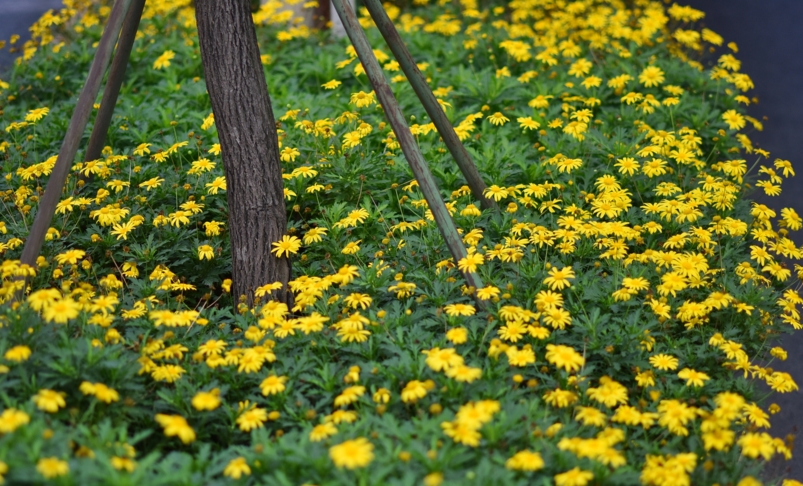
(769,34)
(15,18)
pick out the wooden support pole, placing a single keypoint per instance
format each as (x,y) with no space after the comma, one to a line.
(408,144)
(114,81)
(75,132)
(431,105)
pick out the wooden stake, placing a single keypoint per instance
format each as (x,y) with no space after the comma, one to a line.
(408,144)
(431,105)
(75,131)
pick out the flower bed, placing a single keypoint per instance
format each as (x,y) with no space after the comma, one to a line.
(632,291)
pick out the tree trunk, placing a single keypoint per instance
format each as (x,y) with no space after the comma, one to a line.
(249,145)
(322,14)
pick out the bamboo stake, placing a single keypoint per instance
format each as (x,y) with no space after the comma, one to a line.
(75,131)
(115,80)
(431,105)
(408,144)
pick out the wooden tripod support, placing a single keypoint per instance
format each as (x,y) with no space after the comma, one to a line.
(408,144)
(122,27)
(125,15)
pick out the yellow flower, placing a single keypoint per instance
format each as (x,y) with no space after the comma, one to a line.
(487,292)
(664,362)
(497,119)
(539,102)
(547,300)
(349,395)
(351,247)
(61,311)
(574,477)
(200,166)
(236,468)
(352,454)
(460,310)
(288,245)
(580,68)
(557,318)
(779,353)
(645,378)
(627,165)
(591,416)
(355,300)
(559,279)
(503,72)
(610,393)
(212,347)
(36,114)
(757,444)
(106,394)
(163,61)
(525,461)
(40,299)
(206,400)
(619,82)
(692,377)
(362,99)
(219,184)
(100,391)
(123,463)
(564,357)
(331,84)
(651,76)
(11,419)
(18,353)
(440,359)
(254,418)
(413,391)
(433,479)
(591,82)
(289,154)
(52,467)
(496,193)
(206,251)
(734,120)
(463,373)
(322,431)
(151,183)
(167,373)
(382,396)
(351,139)
(70,256)
(462,432)
(458,335)
(50,401)
(470,262)
(142,149)
(528,123)
(176,426)
(719,439)
(208,122)
(213,228)
(674,415)
(341,416)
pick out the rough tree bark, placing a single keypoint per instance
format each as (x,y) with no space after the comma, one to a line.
(322,14)
(249,145)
